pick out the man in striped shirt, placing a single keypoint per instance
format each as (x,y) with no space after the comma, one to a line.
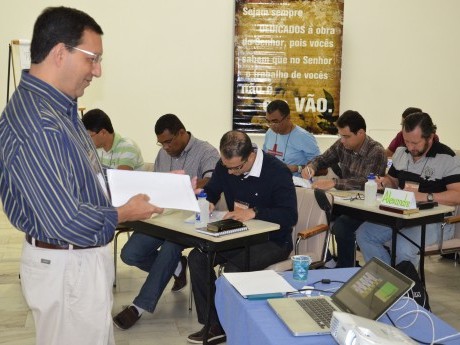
(52,187)
(114,151)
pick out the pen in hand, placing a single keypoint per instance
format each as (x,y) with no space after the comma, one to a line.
(309,174)
(381,182)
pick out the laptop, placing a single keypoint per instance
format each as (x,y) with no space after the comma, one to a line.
(369,293)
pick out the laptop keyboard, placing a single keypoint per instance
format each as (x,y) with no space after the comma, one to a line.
(319,309)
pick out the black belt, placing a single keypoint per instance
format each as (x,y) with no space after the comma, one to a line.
(40,244)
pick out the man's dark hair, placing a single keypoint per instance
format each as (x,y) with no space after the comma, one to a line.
(95,120)
(280,105)
(235,144)
(410,110)
(351,119)
(168,122)
(59,25)
(422,120)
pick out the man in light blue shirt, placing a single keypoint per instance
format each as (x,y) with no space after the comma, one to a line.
(286,141)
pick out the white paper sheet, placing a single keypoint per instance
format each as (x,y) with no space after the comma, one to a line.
(164,189)
(256,283)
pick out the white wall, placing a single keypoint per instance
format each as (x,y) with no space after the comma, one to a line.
(177,56)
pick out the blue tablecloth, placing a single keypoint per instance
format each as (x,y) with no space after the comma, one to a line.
(253,321)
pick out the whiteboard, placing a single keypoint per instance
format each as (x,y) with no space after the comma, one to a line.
(20,59)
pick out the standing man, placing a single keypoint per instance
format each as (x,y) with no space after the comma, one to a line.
(255,185)
(436,170)
(52,187)
(357,155)
(113,150)
(289,143)
(180,151)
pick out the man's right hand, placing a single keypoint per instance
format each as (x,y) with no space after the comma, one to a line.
(137,208)
(308,172)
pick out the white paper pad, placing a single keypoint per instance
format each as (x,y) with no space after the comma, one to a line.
(165,190)
(257,283)
(301,182)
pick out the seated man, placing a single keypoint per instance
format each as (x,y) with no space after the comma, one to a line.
(114,151)
(289,143)
(436,169)
(358,155)
(255,185)
(180,150)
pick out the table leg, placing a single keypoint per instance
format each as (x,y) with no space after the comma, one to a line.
(394,235)
(422,254)
(210,255)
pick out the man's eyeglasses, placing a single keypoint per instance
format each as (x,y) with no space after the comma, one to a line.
(239,167)
(167,142)
(274,122)
(93,134)
(358,196)
(95,58)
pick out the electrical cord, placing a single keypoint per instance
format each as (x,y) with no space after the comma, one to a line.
(418,312)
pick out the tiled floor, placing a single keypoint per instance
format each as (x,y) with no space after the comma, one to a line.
(172,321)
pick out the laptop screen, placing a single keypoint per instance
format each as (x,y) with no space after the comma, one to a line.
(372,290)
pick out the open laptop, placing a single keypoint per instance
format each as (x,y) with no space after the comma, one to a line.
(369,293)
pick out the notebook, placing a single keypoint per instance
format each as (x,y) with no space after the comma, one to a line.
(369,293)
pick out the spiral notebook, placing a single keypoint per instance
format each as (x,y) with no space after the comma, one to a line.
(223,227)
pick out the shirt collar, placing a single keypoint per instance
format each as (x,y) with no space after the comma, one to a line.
(58,99)
(257,165)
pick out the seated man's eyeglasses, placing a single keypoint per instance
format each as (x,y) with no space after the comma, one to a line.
(358,196)
(167,142)
(239,167)
(95,58)
(274,122)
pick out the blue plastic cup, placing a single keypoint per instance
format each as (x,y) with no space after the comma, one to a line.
(300,266)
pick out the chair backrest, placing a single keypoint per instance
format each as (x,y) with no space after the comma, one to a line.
(451,245)
(311,215)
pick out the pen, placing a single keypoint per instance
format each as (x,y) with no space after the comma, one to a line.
(381,183)
(309,173)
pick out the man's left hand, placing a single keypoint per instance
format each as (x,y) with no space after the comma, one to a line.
(240,214)
(324,184)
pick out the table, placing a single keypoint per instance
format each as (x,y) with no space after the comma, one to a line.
(171,226)
(359,210)
(249,322)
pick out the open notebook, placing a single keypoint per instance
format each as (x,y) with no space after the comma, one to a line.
(369,293)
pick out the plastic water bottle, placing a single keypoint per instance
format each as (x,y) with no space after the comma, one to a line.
(202,217)
(370,191)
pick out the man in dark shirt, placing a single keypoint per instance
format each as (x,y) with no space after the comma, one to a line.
(256,186)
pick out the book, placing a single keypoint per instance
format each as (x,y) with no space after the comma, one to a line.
(398,210)
(224,225)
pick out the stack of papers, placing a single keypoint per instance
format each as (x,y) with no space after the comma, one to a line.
(259,284)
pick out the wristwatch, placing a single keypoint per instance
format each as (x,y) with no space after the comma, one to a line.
(299,169)
(429,197)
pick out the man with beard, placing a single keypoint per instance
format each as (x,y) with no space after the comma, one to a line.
(430,170)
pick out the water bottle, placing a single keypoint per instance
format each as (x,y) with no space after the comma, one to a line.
(370,191)
(202,217)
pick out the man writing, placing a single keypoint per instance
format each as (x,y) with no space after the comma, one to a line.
(432,166)
(52,187)
(357,155)
(255,185)
(180,151)
(114,151)
(289,143)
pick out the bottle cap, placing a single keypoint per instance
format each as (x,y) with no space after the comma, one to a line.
(371,176)
(202,195)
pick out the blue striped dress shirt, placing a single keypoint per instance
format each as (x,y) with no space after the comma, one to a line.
(49,169)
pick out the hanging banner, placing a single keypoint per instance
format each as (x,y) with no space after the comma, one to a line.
(289,50)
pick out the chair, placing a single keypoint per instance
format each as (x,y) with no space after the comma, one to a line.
(311,234)
(120,229)
(447,246)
